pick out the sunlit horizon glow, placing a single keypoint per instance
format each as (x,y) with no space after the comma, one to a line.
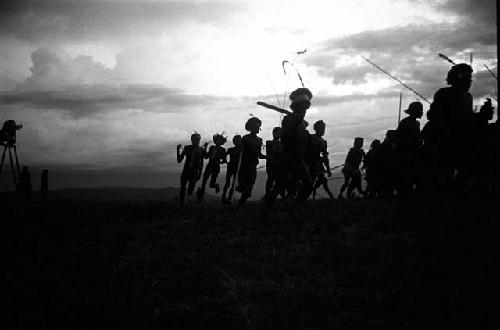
(117,84)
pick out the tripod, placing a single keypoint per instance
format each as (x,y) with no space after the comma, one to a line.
(15,170)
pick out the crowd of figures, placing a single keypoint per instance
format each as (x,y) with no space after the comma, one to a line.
(458,148)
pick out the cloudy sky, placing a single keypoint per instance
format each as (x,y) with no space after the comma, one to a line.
(115,85)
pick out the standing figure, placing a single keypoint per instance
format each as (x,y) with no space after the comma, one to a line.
(409,144)
(232,167)
(388,164)
(251,146)
(452,108)
(352,174)
(317,158)
(295,140)
(274,148)
(193,165)
(482,146)
(216,155)
(371,164)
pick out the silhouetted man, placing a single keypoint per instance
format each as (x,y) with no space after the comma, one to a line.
(409,143)
(295,140)
(317,158)
(452,107)
(193,165)
(216,155)
(232,167)
(274,148)
(251,146)
(371,164)
(351,171)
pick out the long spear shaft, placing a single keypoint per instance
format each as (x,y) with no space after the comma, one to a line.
(399,81)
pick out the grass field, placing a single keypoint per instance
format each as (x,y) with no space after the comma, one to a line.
(419,262)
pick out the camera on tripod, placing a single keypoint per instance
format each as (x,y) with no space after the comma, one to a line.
(9,132)
(8,135)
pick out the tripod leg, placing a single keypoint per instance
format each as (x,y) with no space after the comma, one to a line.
(3,158)
(13,169)
(17,161)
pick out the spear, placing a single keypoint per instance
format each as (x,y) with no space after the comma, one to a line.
(273,107)
(399,81)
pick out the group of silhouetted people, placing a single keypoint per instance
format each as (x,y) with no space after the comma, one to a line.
(457,148)
(296,160)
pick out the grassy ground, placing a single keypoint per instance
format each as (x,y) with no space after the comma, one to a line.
(420,262)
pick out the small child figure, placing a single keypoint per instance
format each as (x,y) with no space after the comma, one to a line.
(193,165)
(251,146)
(352,174)
(274,148)
(216,155)
(317,158)
(232,168)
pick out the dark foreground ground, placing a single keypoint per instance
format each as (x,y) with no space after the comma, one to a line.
(419,262)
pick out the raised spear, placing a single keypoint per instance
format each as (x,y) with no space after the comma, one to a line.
(399,81)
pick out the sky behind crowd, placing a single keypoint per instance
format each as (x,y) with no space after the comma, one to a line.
(115,85)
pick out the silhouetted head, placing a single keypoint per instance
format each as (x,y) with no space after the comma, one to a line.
(460,76)
(301,100)
(237,140)
(276,133)
(319,127)
(358,142)
(253,125)
(486,110)
(375,144)
(415,109)
(195,139)
(219,139)
(390,135)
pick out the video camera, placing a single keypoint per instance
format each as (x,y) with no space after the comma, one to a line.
(9,132)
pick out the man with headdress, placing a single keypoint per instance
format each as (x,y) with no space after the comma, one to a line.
(409,143)
(452,108)
(295,140)
(251,152)
(216,155)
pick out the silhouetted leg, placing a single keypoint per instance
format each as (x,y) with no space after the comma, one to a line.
(213,179)
(344,185)
(191,185)
(271,179)
(182,193)
(306,185)
(226,186)
(3,158)
(13,170)
(201,191)
(325,186)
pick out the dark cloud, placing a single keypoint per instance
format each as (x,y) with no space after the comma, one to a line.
(84,101)
(482,11)
(43,20)
(410,52)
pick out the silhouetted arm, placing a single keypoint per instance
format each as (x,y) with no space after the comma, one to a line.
(180,155)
